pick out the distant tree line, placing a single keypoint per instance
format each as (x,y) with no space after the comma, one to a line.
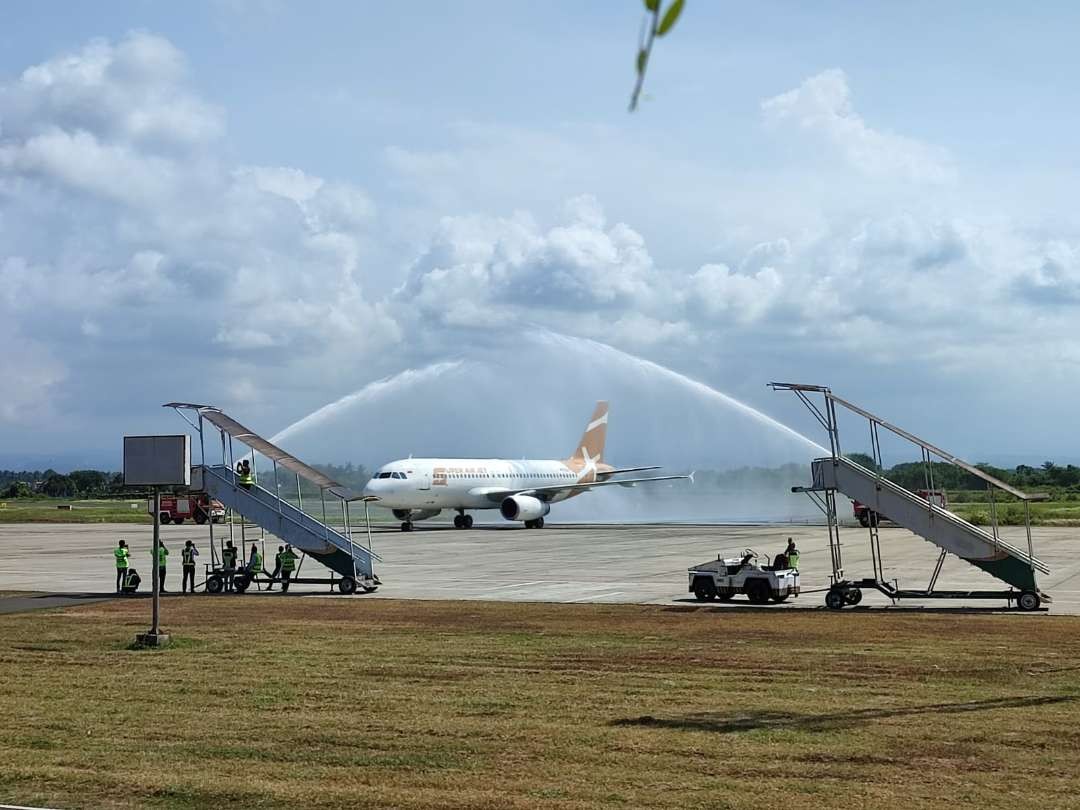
(1046,477)
(1061,481)
(51,484)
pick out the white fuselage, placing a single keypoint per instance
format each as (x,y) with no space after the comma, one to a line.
(467,483)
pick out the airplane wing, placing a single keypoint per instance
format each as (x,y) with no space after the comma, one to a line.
(628,470)
(496,494)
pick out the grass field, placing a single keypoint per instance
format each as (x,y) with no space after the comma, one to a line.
(48,510)
(53,510)
(1043,513)
(301,702)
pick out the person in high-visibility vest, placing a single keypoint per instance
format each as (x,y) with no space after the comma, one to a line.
(277,568)
(244,475)
(120,554)
(288,565)
(188,556)
(161,562)
(792,554)
(228,562)
(255,565)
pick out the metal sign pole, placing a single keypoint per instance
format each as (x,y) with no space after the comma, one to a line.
(154,637)
(157,552)
(154,462)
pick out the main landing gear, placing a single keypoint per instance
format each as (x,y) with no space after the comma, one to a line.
(534,524)
(463,521)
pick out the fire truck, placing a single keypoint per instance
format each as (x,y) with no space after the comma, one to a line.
(197,506)
(867,516)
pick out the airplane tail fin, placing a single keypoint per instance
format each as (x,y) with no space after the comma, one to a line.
(591,445)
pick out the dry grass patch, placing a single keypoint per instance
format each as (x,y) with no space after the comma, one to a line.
(293,702)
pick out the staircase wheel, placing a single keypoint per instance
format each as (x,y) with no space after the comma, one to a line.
(214,585)
(1028,600)
(347,586)
(853,597)
(834,599)
(241,583)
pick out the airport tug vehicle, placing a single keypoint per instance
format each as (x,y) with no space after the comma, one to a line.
(724,579)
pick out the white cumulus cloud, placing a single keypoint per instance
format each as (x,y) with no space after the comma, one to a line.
(822,106)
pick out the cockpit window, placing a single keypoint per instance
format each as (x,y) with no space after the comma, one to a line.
(385,475)
(399,475)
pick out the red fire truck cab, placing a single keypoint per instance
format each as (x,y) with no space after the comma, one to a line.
(197,506)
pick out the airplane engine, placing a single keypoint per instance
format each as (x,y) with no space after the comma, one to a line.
(415,514)
(523,507)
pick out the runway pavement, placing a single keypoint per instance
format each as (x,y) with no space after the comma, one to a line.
(561,563)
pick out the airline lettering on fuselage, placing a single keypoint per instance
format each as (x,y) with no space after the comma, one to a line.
(440,475)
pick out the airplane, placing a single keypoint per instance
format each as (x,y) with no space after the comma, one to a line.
(420,488)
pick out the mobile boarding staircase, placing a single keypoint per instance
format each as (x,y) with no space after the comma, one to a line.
(951,533)
(334,548)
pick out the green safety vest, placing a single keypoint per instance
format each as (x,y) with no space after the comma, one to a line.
(162,553)
(793,560)
(288,561)
(121,555)
(256,563)
(247,479)
(188,555)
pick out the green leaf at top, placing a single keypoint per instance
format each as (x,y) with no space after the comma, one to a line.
(670,17)
(652,5)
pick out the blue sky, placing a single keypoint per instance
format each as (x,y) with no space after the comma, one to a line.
(268,206)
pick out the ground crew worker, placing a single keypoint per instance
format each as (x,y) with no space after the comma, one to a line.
(288,565)
(792,554)
(243,473)
(188,556)
(120,553)
(161,561)
(254,565)
(277,567)
(228,562)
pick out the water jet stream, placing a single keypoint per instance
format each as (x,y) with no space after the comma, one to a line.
(370,392)
(687,382)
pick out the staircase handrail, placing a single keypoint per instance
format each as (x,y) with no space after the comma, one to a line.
(945,513)
(937,451)
(214,470)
